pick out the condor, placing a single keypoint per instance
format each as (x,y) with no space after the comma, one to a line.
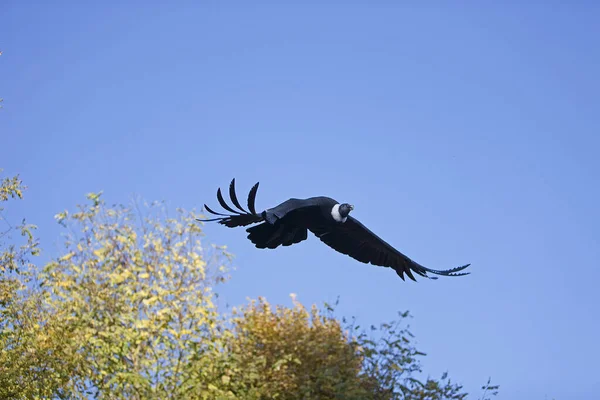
(289,223)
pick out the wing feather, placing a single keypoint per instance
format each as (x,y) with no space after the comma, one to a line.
(238,218)
(252,198)
(233,197)
(224,204)
(214,212)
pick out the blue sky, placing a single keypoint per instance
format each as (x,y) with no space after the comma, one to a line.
(461,134)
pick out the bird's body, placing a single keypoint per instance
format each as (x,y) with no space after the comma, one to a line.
(289,222)
(329,220)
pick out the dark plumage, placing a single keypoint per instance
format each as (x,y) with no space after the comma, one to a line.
(290,221)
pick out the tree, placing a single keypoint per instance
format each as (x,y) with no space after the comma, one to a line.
(290,353)
(13,257)
(295,353)
(128,311)
(137,296)
(19,308)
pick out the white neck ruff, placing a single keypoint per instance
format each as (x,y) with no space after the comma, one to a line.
(335,213)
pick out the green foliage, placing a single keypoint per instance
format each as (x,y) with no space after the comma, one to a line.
(128,312)
(136,294)
(391,360)
(122,311)
(289,353)
(489,390)
(14,257)
(19,312)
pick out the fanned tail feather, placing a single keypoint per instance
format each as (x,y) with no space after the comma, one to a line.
(239,218)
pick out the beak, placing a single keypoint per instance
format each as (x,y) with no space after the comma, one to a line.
(351,207)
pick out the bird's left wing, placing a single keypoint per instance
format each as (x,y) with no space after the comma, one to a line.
(290,206)
(357,241)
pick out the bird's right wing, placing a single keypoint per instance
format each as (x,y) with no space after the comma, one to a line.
(357,241)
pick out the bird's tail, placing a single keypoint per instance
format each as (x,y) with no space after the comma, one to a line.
(237,218)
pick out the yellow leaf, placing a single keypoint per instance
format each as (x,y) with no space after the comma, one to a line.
(67,257)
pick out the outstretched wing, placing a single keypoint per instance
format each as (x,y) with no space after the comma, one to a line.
(357,241)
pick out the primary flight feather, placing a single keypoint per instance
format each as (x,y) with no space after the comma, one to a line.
(289,223)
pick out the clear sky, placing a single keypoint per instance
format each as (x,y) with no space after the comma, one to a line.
(461,134)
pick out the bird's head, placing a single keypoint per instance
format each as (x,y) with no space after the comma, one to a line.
(345,209)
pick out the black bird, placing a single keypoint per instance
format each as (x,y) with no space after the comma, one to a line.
(290,221)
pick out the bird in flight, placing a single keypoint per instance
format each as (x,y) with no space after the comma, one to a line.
(329,220)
